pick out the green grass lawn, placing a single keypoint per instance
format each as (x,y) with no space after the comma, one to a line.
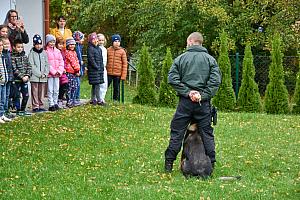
(116,152)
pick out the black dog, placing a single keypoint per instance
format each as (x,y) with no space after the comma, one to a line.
(194,161)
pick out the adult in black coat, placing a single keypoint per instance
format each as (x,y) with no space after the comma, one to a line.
(95,68)
(16,27)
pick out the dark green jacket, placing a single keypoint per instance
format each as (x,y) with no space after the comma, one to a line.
(195,70)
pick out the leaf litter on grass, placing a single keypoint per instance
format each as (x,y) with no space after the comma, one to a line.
(118,152)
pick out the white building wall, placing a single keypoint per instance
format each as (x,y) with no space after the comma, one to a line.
(32,13)
(5,5)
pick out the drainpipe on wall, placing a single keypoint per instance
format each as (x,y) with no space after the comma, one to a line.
(46,17)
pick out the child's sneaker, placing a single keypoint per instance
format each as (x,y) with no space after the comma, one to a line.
(5,119)
(19,113)
(102,103)
(70,104)
(42,110)
(77,103)
(1,121)
(60,103)
(51,108)
(25,113)
(35,110)
(9,115)
(56,107)
(13,109)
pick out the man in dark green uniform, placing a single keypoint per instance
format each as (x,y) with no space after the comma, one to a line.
(196,77)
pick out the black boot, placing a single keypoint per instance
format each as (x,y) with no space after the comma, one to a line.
(168,166)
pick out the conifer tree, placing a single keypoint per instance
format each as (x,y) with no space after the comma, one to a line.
(167,95)
(146,84)
(296,107)
(276,99)
(225,97)
(249,97)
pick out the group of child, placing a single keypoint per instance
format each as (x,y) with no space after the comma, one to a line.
(55,71)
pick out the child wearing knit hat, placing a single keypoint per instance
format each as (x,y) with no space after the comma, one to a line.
(56,69)
(38,60)
(73,71)
(116,65)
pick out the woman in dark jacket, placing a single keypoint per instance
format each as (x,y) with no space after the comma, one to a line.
(16,29)
(95,68)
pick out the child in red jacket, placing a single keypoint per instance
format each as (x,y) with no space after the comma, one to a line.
(72,70)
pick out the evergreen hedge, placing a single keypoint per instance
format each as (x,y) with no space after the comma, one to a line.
(225,97)
(249,97)
(276,99)
(167,95)
(146,84)
(296,107)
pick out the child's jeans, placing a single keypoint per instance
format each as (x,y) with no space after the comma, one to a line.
(23,88)
(2,98)
(6,104)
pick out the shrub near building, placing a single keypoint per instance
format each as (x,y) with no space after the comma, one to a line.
(225,97)
(276,100)
(146,84)
(249,97)
(167,95)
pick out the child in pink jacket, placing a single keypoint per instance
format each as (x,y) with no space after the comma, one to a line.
(56,69)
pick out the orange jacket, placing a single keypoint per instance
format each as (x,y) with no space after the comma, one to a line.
(116,62)
(57,34)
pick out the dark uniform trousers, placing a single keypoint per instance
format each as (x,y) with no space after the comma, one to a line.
(186,112)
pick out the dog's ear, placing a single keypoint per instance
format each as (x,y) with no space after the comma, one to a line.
(192,127)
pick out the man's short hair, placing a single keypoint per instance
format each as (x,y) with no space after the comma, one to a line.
(196,37)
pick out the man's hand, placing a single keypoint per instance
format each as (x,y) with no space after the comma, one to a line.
(195,96)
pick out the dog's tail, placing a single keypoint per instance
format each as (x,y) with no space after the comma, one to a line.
(229,178)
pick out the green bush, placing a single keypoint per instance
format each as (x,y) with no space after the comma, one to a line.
(296,107)
(225,97)
(249,98)
(276,100)
(167,95)
(146,84)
